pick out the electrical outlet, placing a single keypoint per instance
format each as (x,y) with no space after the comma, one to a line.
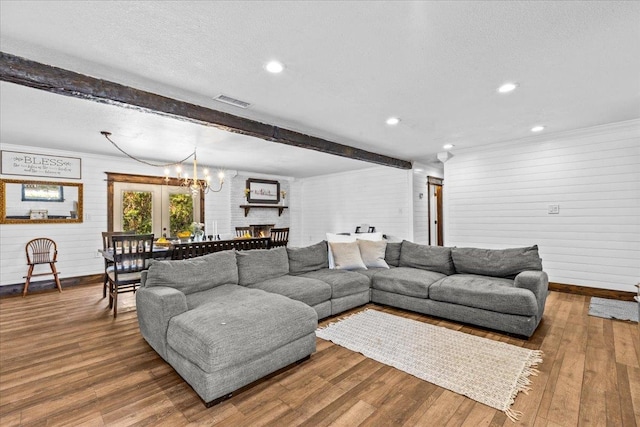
(553,209)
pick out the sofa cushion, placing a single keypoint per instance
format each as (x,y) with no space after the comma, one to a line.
(432,258)
(195,274)
(373,253)
(261,264)
(392,253)
(346,256)
(309,291)
(238,325)
(412,282)
(342,282)
(488,293)
(310,258)
(496,262)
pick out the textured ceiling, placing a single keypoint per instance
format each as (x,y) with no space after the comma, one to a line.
(349,66)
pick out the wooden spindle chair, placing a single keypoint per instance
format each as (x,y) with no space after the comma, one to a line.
(242,231)
(131,255)
(41,251)
(279,237)
(108,265)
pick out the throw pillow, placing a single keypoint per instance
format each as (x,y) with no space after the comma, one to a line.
(336,238)
(432,258)
(195,274)
(347,256)
(392,254)
(373,253)
(505,263)
(257,265)
(310,258)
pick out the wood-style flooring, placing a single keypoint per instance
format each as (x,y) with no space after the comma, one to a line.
(65,361)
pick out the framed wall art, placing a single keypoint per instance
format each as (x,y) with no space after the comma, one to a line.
(263,191)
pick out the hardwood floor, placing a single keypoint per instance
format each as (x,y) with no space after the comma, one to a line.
(64,360)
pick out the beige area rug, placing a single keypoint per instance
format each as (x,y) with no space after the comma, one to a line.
(487,371)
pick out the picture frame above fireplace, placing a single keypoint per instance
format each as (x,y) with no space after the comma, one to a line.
(263,191)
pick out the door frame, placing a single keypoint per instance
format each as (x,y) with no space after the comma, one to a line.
(436,184)
(140,179)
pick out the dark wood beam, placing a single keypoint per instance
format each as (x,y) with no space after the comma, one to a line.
(33,74)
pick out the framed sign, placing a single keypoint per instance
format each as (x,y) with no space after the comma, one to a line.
(263,191)
(42,193)
(31,164)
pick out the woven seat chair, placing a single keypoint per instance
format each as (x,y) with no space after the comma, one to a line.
(41,250)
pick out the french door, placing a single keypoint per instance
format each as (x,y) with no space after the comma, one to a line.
(163,210)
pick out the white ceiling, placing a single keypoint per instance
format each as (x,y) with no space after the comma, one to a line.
(349,66)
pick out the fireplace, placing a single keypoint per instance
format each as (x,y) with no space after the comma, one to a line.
(261,230)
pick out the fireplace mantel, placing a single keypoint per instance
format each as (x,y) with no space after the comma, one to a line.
(247,208)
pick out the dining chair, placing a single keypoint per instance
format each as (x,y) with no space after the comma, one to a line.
(41,250)
(131,255)
(279,237)
(242,231)
(108,264)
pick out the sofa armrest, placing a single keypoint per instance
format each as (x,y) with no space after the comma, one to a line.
(155,307)
(538,283)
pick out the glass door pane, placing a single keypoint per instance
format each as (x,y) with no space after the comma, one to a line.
(180,212)
(137,211)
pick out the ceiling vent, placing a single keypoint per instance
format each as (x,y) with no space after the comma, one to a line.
(232,101)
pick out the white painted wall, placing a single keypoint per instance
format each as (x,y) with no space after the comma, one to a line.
(378,196)
(78,243)
(497,196)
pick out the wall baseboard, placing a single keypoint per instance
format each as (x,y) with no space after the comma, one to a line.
(45,285)
(591,292)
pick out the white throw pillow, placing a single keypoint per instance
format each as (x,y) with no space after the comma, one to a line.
(347,256)
(340,238)
(373,252)
(368,236)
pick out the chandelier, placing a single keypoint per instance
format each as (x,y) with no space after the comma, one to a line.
(192,183)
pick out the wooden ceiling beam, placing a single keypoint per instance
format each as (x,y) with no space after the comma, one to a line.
(33,74)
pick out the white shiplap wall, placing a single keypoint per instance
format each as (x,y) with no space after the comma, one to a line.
(497,196)
(378,196)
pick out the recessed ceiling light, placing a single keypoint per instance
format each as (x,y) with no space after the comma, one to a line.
(274,67)
(537,129)
(507,87)
(448,146)
(392,121)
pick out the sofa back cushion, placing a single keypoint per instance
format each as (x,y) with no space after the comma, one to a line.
(257,265)
(392,254)
(195,274)
(505,263)
(310,258)
(432,258)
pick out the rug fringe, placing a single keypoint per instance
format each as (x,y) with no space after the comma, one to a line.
(523,382)
(342,318)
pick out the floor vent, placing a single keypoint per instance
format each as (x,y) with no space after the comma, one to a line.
(232,101)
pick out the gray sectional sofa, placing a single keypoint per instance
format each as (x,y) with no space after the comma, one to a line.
(229,318)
